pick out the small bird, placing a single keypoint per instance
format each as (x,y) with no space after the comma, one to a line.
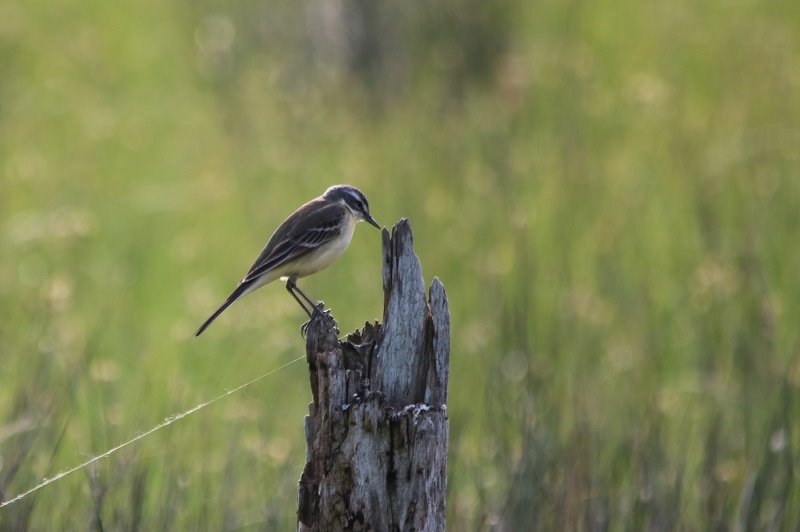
(310,239)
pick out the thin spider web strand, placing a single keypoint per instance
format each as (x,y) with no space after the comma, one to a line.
(167,421)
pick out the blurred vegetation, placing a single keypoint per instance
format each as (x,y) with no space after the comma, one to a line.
(609,191)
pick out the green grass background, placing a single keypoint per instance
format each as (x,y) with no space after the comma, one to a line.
(609,191)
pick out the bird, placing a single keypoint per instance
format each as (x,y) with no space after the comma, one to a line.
(309,240)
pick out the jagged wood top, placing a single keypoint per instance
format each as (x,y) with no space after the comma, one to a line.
(408,355)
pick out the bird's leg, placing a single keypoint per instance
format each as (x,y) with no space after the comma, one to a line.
(308,300)
(291,287)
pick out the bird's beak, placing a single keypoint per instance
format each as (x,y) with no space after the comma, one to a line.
(370,220)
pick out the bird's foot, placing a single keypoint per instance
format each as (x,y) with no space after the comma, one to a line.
(318,309)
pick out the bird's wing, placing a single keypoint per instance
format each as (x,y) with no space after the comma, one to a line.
(309,227)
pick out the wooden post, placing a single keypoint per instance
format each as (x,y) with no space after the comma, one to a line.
(377,428)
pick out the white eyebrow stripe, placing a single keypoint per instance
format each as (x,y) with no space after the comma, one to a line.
(355,195)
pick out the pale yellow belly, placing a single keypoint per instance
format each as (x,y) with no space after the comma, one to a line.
(322,258)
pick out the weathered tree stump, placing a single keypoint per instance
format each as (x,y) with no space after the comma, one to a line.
(377,428)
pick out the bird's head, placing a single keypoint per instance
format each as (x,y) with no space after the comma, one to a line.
(354,200)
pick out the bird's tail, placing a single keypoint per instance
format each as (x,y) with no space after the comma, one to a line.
(241,290)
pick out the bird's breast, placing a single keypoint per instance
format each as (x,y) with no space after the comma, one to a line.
(322,257)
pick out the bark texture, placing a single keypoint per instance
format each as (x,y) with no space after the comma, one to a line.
(377,428)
